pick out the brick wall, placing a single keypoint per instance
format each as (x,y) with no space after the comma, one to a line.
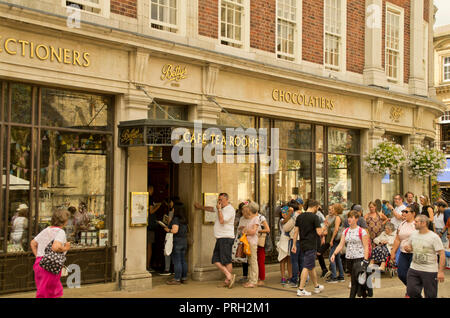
(355,35)
(208,18)
(124,7)
(312,50)
(262,25)
(405,4)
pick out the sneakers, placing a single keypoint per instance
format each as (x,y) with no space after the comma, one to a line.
(303,292)
(283,281)
(318,289)
(341,279)
(291,284)
(173,282)
(165,273)
(331,280)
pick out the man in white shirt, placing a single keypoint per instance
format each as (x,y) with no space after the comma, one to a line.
(224,233)
(397,211)
(424,272)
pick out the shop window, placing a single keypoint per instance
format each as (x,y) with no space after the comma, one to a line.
(74,173)
(294,135)
(167,111)
(238,180)
(293,178)
(320,178)
(21,103)
(342,140)
(343,180)
(69,109)
(286,29)
(19,189)
(163,15)
(231,22)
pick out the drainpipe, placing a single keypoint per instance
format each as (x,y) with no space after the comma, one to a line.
(124,221)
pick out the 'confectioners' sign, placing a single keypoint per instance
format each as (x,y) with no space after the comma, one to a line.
(43,52)
(298,98)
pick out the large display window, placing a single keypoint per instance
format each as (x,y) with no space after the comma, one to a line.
(56,151)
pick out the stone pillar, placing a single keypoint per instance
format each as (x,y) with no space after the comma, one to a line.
(136,277)
(207,110)
(370,183)
(431,65)
(374,73)
(417,85)
(412,184)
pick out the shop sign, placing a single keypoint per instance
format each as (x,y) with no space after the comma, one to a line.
(175,73)
(131,137)
(43,52)
(298,98)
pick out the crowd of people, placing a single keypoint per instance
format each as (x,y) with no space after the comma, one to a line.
(408,238)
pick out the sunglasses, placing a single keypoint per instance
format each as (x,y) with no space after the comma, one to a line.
(406,211)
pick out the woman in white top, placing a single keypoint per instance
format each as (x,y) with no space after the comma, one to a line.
(357,250)
(439,225)
(19,227)
(48,284)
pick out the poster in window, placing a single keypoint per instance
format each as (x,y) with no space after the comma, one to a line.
(103,237)
(209,199)
(138,208)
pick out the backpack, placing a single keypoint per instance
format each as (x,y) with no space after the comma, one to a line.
(360,237)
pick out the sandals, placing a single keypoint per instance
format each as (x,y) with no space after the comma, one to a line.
(233,279)
(249,285)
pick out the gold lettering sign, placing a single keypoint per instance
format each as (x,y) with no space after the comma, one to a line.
(173,73)
(298,98)
(233,141)
(128,136)
(43,52)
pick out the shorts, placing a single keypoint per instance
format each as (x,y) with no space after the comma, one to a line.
(222,251)
(150,237)
(309,259)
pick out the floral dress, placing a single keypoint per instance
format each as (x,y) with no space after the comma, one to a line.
(374,226)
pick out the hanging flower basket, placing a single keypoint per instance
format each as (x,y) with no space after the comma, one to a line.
(425,162)
(386,157)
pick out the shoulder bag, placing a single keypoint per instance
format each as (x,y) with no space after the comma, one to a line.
(52,261)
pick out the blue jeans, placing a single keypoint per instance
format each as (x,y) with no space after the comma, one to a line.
(338,260)
(179,260)
(404,261)
(296,261)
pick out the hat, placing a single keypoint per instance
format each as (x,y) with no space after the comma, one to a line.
(299,200)
(357,208)
(22,206)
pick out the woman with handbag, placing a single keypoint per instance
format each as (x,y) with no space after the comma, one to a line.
(48,281)
(263,236)
(251,231)
(178,226)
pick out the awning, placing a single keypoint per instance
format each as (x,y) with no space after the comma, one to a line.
(444,176)
(16,183)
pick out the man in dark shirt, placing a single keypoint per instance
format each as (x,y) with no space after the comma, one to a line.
(308,226)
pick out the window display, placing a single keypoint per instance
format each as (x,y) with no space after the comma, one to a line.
(48,165)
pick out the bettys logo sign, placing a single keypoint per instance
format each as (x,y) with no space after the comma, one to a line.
(172,72)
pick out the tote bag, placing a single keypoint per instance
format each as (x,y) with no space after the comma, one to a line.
(168,244)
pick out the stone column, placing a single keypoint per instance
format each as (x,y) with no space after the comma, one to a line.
(431,66)
(207,110)
(374,73)
(412,184)
(370,183)
(136,277)
(417,83)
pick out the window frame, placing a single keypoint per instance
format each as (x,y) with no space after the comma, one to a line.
(400,12)
(104,6)
(295,56)
(166,27)
(342,50)
(443,69)
(232,42)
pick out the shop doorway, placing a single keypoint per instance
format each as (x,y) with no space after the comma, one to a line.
(163,177)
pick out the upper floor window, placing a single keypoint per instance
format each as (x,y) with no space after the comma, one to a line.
(446,70)
(231,22)
(333,33)
(163,15)
(100,7)
(286,27)
(394,31)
